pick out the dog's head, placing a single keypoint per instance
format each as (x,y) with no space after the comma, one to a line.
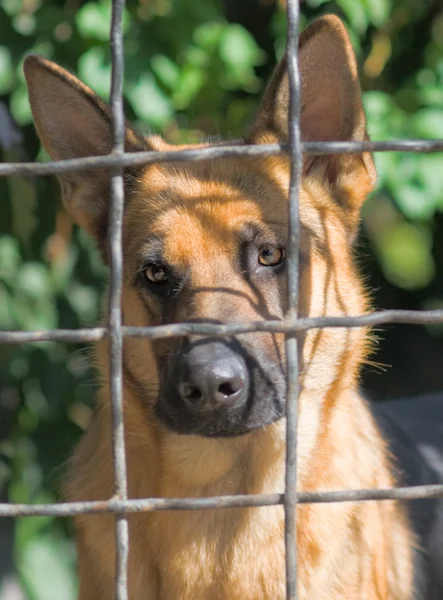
(205,241)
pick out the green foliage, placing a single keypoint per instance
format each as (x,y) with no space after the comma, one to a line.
(45,567)
(189,73)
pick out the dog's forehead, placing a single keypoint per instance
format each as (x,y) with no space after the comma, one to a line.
(216,196)
(192,214)
(206,205)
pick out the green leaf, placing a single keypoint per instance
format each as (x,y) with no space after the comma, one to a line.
(94,69)
(31,527)
(197,57)
(355,14)
(414,202)
(19,105)
(430,174)
(149,101)
(42,316)
(405,256)
(9,257)
(387,166)
(93,20)
(7,75)
(7,319)
(378,11)
(240,54)
(83,300)
(47,570)
(428,123)
(238,49)
(34,280)
(12,7)
(23,194)
(378,107)
(208,35)
(24,23)
(165,70)
(316,3)
(191,80)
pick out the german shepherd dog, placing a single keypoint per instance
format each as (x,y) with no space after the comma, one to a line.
(205,241)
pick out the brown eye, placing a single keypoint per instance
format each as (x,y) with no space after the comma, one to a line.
(155,274)
(270,255)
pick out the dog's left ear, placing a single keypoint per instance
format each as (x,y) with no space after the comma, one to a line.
(73,122)
(331,109)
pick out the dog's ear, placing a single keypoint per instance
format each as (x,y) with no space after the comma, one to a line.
(331,109)
(73,122)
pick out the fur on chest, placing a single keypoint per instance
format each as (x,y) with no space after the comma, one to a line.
(230,554)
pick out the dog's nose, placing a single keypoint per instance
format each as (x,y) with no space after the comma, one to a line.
(213,377)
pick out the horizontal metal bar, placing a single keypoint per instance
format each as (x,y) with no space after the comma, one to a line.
(383,317)
(75,336)
(422,146)
(214,152)
(72,509)
(137,158)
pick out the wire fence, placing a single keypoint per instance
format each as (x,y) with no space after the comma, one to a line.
(119,504)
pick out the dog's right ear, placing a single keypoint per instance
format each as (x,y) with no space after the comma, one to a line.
(73,122)
(331,110)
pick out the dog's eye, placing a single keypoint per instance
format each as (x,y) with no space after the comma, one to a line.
(155,274)
(270,255)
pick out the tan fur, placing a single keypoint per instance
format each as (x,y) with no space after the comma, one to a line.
(350,550)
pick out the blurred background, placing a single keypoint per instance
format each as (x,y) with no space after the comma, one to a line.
(193,68)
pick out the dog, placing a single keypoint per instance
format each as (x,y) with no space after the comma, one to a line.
(205,241)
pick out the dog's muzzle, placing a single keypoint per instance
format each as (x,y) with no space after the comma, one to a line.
(218,387)
(212,378)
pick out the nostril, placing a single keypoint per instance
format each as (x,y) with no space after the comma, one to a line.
(229,388)
(191,392)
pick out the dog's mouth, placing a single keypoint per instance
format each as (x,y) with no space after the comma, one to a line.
(181,421)
(221,424)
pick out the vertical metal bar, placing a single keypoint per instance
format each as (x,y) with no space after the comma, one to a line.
(115,289)
(290,498)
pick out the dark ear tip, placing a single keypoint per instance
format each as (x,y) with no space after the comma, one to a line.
(326,23)
(31,61)
(331,21)
(34,63)
(337,25)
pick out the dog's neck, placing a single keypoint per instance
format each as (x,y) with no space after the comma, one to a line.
(208,466)
(193,466)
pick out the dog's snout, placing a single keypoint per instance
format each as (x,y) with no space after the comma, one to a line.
(213,377)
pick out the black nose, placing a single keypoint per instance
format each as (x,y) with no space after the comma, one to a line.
(213,377)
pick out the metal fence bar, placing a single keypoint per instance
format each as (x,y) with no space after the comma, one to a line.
(295,151)
(156,332)
(292,366)
(128,159)
(72,509)
(115,292)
